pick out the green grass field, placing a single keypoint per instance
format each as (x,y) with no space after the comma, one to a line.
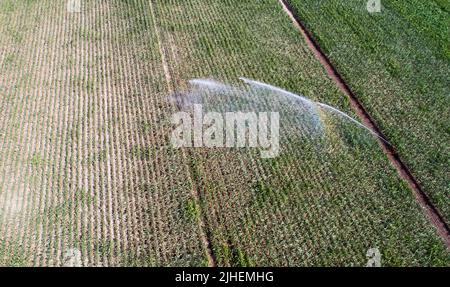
(398,64)
(88,176)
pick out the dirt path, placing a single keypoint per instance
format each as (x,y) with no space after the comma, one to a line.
(430,210)
(201,220)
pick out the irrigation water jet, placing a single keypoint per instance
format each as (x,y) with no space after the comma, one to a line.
(304,113)
(311,103)
(344,115)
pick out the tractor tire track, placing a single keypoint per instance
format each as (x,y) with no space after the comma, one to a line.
(205,232)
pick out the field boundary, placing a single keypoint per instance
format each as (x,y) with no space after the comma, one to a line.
(432,213)
(201,219)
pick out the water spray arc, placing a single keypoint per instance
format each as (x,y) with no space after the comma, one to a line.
(311,104)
